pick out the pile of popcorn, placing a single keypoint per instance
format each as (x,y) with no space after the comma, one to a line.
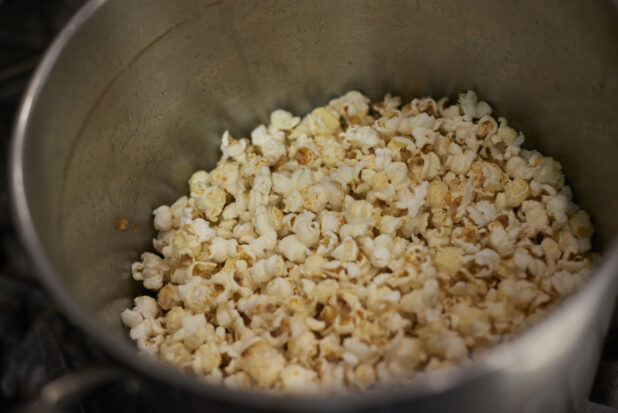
(357,246)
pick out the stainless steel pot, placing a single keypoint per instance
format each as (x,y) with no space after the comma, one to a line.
(134,95)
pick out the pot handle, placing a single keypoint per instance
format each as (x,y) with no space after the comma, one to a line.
(66,389)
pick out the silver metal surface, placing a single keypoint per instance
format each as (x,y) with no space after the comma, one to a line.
(133,96)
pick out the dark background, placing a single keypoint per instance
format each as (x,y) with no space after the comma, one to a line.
(37,344)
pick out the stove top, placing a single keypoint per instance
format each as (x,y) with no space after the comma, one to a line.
(37,343)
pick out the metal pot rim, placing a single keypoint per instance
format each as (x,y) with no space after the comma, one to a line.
(489,362)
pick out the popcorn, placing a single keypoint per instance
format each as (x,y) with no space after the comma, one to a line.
(244,233)
(266,269)
(232,148)
(163,218)
(210,200)
(282,120)
(505,133)
(551,249)
(146,307)
(500,240)
(495,178)
(330,221)
(292,248)
(406,356)
(363,137)
(472,323)
(364,375)
(482,213)
(389,123)
(260,136)
(389,225)
(460,163)
(557,210)
(151,271)
(431,165)
(176,353)
(520,293)
(131,318)
(579,223)
(536,218)
(168,297)
(312,267)
(353,106)
(482,264)
(516,167)
(304,152)
(568,243)
(565,282)
(206,359)
(227,176)
(294,202)
(296,378)
(327,243)
(549,172)
(258,195)
(173,319)
(350,249)
(196,294)
(437,194)
(221,249)
(438,237)
(525,262)
(194,327)
(346,251)
(361,213)
(423,137)
(330,150)
(413,201)
(279,287)
(306,229)
(324,291)
(323,121)
(448,260)
(516,192)
(443,343)
(471,107)
(303,346)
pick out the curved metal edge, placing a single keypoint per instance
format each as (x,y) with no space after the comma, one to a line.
(434,383)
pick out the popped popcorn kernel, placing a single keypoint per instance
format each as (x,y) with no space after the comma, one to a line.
(516,192)
(437,194)
(448,260)
(358,245)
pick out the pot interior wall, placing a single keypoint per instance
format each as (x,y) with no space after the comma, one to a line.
(141,94)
